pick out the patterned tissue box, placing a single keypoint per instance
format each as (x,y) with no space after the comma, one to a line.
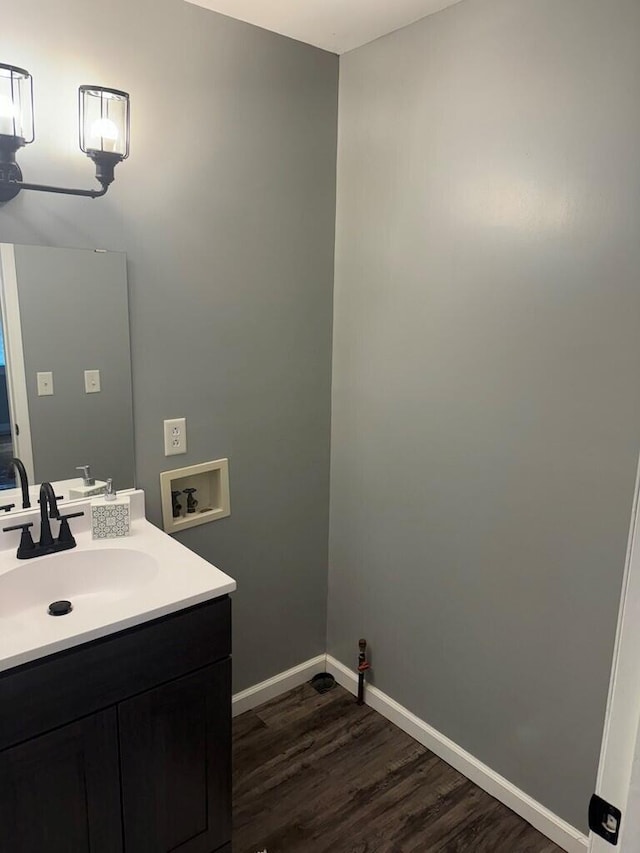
(110,519)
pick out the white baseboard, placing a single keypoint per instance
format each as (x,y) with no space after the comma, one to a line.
(272,687)
(545,821)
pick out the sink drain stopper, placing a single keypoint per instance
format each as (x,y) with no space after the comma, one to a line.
(60,608)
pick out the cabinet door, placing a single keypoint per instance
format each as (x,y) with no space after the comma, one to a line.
(60,792)
(175,754)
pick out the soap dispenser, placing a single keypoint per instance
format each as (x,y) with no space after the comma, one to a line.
(110,515)
(90,486)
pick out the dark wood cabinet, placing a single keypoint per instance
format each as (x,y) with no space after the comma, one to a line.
(176,769)
(122,745)
(60,792)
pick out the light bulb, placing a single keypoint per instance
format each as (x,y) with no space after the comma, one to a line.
(7,107)
(104,133)
(8,113)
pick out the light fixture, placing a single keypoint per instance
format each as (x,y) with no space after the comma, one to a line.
(103,125)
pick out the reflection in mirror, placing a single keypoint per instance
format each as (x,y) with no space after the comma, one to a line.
(7,472)
(66,343)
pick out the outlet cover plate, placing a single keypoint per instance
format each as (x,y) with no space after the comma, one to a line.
(45,383)
(92,381)
(175,436)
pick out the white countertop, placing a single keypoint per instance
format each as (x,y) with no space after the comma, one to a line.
(168,579)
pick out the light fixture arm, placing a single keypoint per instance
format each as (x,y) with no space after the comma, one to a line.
(22,185)
(11,182)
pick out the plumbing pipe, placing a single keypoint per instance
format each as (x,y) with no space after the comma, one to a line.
(363,666)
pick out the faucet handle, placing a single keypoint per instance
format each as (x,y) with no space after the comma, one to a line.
(26,545)
(25,526)
(192,503)
(64,534)
(87,479)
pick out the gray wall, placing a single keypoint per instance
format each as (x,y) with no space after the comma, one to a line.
(486,360)
(226,211)
(74,317)
(486,405)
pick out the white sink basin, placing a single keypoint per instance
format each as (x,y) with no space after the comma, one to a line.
(91,578)
(112,584)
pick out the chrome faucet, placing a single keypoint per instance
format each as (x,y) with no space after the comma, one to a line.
(24,481)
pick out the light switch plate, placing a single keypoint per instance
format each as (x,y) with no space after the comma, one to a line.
(92,381)
(45,384)
(175,436)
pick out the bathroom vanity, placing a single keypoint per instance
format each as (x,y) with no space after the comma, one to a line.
(115,731)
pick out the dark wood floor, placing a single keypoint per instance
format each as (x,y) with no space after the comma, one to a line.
(318,774)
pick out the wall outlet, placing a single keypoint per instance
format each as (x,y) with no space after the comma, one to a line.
(175,436)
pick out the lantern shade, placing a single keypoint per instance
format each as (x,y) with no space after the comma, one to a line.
(16,105)
(104,122)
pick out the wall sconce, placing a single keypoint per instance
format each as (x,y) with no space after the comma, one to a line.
(104,131)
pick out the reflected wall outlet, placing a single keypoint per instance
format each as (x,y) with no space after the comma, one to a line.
(45,383)
(175,436)
(92,381)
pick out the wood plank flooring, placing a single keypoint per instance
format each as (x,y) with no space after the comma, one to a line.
(318,774)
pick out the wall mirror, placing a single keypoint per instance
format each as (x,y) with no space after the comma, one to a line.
(65,371)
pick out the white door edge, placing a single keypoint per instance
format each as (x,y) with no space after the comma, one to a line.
(16,375)
(620,742)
